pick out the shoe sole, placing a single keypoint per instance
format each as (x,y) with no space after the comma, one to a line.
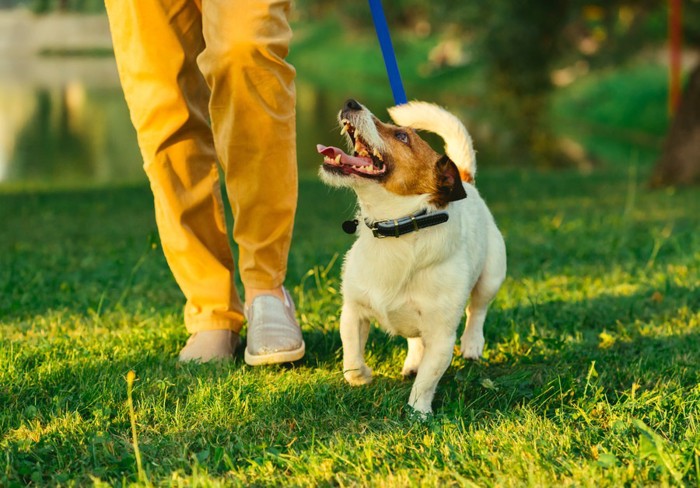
(275,357)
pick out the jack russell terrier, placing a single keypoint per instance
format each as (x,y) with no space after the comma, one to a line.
(426,241)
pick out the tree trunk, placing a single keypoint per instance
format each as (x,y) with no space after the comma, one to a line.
(680,160)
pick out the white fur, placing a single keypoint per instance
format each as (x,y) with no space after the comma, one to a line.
(365,126)
(417,285)
(430,117)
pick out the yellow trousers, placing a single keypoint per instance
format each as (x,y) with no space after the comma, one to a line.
(207,81)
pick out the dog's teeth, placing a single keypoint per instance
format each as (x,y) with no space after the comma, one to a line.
(337,159)
(344,130)
(377,155)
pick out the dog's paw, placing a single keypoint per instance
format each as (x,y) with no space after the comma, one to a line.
(359,376)
(420,413)
(471,347)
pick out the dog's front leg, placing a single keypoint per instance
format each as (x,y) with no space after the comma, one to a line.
(354,330)
(437,356)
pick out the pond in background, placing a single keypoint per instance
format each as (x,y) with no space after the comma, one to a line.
(65,121)
(69,134)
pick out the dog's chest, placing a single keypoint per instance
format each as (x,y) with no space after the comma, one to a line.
(405,321)
(396,310)
(409,310)
(396,288)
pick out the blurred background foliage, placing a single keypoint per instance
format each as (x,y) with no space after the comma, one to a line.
(501,61)
(526,48)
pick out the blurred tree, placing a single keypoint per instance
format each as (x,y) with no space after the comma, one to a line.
(680,160)
(527,44)
(520,41)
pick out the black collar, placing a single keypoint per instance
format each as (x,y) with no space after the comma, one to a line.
(400,226)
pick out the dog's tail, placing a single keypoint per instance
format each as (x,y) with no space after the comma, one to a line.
(430,117)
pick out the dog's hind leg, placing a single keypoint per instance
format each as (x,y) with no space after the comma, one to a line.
(354,330)
(472,341)
(414,355)
(437,356)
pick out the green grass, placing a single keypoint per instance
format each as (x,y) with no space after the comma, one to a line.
(590,376)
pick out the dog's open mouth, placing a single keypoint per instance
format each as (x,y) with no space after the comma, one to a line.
(365,161)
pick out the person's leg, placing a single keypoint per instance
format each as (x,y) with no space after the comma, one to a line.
(253,119)
(156,43)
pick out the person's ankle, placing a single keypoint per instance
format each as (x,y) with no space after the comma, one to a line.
(252,293)
(210,345)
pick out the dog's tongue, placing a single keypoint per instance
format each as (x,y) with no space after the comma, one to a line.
(333,152)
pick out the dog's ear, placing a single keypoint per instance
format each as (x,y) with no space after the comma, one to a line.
(449,183)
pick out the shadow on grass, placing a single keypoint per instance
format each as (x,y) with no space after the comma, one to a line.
(219,417)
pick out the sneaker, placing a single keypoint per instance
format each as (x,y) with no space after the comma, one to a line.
(210,345)
(274,335)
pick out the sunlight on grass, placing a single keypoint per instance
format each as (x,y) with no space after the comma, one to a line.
(590,375)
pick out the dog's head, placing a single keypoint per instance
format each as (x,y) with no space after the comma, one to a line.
(396,158)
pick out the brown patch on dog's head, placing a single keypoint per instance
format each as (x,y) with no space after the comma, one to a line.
(392,156)
(414,168)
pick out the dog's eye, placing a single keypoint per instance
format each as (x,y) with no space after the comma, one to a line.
(401,136)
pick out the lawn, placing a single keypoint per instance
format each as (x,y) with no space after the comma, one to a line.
(590,376)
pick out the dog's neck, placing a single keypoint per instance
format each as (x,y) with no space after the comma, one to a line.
(378,204)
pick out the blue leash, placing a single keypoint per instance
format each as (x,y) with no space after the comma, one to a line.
(392,68)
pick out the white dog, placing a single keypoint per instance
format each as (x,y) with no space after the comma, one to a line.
(427,242)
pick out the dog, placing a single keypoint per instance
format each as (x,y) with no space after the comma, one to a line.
(426,241)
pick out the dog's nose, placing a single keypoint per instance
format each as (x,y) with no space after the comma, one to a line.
(352,104)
